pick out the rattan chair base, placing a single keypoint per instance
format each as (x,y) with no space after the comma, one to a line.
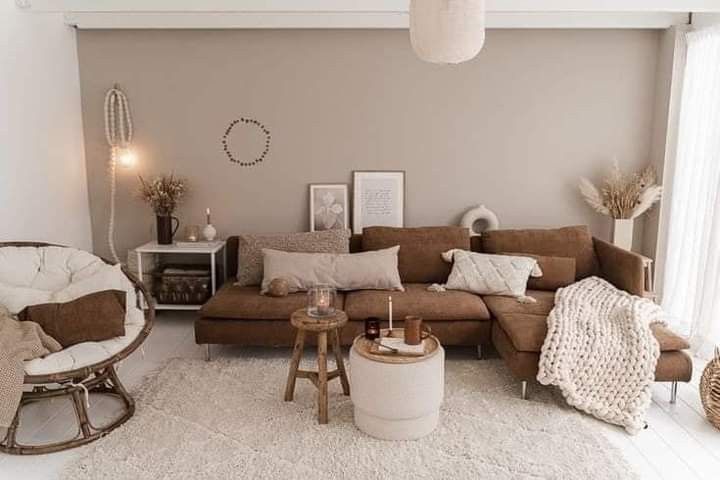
(102,382)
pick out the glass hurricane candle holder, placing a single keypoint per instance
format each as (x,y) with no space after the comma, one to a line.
(192,233)
(321,301)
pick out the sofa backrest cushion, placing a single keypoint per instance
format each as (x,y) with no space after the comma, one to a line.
(420,259)
(575,242)
(557,272)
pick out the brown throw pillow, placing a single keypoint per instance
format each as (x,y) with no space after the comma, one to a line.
(93,318)
(558,272)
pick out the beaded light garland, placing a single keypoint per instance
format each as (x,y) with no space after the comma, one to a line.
(249,122)
(118,133)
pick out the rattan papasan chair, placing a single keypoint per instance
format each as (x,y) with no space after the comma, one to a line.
(81,368)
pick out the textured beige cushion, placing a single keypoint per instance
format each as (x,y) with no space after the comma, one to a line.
(250,260)
(375,270)
(490,274)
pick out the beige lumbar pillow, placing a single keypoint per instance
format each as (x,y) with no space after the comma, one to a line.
(375,270)
(487,274)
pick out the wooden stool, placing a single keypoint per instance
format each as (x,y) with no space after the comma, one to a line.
(322,326)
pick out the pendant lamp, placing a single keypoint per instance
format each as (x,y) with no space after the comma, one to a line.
(447,31)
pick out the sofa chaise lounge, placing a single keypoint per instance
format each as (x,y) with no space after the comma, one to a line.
(241,316)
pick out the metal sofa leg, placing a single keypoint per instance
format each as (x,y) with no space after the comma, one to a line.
(673,392)
(208,357)
(479,352)
(523,390)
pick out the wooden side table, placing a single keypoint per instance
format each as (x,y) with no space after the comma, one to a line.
(323,327)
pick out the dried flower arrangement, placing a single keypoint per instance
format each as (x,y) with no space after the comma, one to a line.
(625,196)
(163,193)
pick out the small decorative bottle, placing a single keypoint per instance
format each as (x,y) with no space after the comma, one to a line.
(209,232)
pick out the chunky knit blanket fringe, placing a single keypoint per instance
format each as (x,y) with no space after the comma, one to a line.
(600,351)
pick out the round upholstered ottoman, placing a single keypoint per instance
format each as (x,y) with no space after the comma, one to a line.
(396,398)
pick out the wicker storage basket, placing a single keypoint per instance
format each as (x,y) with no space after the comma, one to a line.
(182,285)
(710,389)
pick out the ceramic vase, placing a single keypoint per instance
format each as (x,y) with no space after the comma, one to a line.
(622,235)
(209,232)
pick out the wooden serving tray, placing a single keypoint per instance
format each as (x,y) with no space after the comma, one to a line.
(373,351)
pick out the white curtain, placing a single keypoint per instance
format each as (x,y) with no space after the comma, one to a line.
(691,289)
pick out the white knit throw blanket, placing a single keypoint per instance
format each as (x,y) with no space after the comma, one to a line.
(600,351)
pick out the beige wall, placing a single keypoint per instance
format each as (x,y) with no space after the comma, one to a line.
(513,129)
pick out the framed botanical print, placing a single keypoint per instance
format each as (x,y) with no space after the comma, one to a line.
(378,199)
(329,207)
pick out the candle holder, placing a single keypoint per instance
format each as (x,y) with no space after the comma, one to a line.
(321,301)
(192,233)
(372,328)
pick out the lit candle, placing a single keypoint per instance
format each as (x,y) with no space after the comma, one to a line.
(323,302)
(207,214)
(390,314)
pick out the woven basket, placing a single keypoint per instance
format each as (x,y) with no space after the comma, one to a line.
(182,285)
(710,389)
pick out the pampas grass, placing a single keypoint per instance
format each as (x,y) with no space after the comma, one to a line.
(622,195)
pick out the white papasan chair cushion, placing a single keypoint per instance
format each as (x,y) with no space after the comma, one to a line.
(34,275)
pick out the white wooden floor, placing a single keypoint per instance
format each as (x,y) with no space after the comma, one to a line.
(679,443)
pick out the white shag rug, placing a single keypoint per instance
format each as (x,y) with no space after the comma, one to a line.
(227,419)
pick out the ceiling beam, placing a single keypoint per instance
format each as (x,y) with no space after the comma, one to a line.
(367,20)
(350,6)
(701,20)
(160,14)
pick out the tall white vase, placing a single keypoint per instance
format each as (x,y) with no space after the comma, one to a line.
(622,235)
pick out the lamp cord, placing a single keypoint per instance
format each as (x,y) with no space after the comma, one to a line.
(118,133)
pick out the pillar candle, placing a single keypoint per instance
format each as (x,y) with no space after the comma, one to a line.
(390,313)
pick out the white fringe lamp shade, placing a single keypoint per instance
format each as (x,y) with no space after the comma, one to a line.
(447,31)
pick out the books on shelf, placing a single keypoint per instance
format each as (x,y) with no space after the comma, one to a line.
(200,244)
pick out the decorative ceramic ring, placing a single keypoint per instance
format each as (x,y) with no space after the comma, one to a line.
(479,215)
(248,121)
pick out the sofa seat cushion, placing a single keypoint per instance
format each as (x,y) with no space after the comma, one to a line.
(672,366)
(499,305)
(527,333)
(233,301)
(416,300)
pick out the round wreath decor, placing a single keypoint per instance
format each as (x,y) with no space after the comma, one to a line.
(249,122)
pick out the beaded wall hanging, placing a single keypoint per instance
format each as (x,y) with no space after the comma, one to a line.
(252,123)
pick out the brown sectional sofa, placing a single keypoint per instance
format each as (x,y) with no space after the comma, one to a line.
(240,315)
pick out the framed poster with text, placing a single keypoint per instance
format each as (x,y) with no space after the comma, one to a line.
(378,199)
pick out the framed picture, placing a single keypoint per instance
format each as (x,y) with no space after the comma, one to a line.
(378,199)
(328,206)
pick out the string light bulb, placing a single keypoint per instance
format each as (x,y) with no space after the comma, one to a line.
(127,158)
